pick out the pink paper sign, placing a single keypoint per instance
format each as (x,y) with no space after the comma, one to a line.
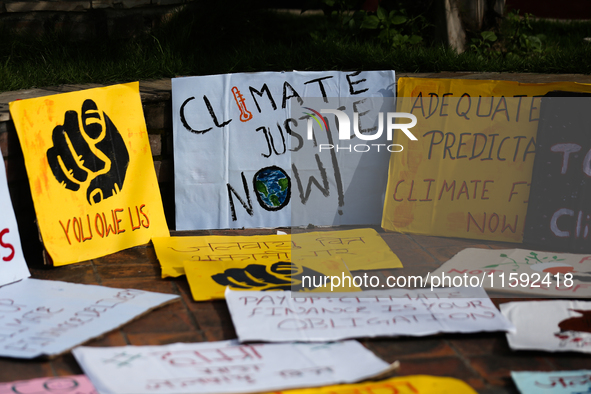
(75,384)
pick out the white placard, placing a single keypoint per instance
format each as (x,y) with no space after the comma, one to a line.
(13,266)
(225,367)
(243,157)
(518,271)
(277,317)
(553,326)
(43,317)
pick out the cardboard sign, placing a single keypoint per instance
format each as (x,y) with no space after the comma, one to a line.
(224,367)
(279,317)
(13,266)
(555,382)
(360,249)
(91,172)
(47,318)
(517,271)
(414,384)
(209,280)
(557,217)
(553,326)
(75,384)
(469,173)
(243,157)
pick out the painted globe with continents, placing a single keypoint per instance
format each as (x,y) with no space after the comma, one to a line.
(272,187)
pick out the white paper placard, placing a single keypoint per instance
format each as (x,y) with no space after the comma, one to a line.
(13,266)
(555,382)
(225,367)
(277,317)
(518,271)
(232,130)
(44,317)
(553,326)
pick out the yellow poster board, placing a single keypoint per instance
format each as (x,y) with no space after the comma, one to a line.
(91,172)
(469,173)
(360,249)
(173,252)
(208,280)
(414,384)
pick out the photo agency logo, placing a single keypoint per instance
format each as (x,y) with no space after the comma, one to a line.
(348,130)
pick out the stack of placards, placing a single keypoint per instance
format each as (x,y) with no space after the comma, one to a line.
(80,384)
(273,262)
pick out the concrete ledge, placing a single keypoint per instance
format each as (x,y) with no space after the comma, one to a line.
(28,6)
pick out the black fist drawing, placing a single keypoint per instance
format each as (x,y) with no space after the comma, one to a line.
(279,276)
(96,152)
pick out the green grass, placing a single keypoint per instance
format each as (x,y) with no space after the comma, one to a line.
(214,40)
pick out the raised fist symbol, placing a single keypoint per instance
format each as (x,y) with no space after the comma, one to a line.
(279,276)
(94,158)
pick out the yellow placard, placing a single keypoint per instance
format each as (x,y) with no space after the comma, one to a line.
(91,171)
(208,280)
(172,252)
(468,175)
(360,249)
(414,384)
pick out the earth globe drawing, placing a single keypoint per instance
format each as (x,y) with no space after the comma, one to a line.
(272,187)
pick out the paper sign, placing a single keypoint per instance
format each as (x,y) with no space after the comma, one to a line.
(224,367)
(13,266)
(172,252)
(277,317)
(91,171)
(47,318)
(553,326)
(243,159)
(555,382)
(361,249)
(469,173)
(208,280)
(518,271)
(556,216)
(75,384)
(414,384)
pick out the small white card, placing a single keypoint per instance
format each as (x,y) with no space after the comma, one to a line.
(225,367)
(555,382)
